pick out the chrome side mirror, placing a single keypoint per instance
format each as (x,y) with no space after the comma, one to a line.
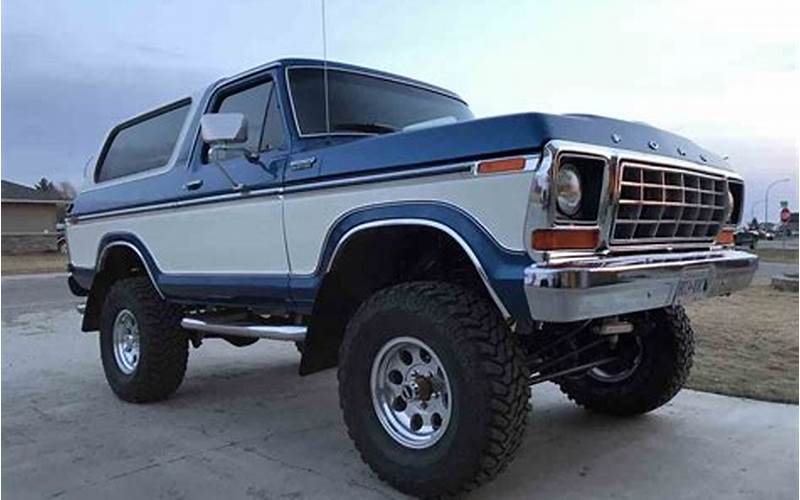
(226,132)
(223,128)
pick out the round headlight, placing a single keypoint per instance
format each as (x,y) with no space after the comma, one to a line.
(568,190)
(729,207)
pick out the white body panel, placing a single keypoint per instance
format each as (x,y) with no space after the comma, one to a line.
(246,235)
(497,202)
(239,236)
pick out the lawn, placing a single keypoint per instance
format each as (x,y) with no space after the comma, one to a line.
(747,344)
(788,256)
(31,264)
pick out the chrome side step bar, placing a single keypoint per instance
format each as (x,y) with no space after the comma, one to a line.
(291,333)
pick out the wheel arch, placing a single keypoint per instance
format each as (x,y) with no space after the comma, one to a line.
(374,254)
(428,223)
(117,258)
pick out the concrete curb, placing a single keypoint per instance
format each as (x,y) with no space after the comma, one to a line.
(785,283)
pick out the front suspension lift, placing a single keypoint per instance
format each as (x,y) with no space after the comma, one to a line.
(538,368)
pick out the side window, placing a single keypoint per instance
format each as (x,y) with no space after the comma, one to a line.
(252,103)
(273,126)
(144,144)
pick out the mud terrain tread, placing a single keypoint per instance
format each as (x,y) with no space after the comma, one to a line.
(657,380)
(164,346)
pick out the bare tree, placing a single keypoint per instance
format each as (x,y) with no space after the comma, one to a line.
(44,185)
(67,190)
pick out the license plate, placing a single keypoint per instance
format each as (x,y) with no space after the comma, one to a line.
(691,288)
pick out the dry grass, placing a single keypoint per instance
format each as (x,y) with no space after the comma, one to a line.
(34,263)
(788,256)
(747,344)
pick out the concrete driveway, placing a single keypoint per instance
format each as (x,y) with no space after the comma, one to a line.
(244,425)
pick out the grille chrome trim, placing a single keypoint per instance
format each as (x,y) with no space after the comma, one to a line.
(663,204)
(541,211)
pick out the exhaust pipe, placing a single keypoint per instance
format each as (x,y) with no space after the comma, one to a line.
(292,333)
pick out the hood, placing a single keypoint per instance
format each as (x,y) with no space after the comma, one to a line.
(505,135)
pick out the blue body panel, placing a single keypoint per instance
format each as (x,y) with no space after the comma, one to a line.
(344,156)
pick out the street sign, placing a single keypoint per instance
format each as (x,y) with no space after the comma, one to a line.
(785,214)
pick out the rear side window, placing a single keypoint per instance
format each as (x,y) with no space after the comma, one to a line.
(145,143)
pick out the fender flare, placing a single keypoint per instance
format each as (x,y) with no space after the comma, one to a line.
(130,241)
(342,242)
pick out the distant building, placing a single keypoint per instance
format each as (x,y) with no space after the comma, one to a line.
(29,218)
(792,223)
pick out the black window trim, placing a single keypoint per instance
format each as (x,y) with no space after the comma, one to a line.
(187,101)
(379,76)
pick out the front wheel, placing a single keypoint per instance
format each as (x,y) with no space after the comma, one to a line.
(433,387)
(143,349)
(654,363)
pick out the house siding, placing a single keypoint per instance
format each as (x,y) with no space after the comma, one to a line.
(28,227)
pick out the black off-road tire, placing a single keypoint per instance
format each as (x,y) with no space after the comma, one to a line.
(667,351)
(489,380)
(164,347)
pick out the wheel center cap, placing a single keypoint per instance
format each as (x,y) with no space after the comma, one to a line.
(418,389)
(425,388)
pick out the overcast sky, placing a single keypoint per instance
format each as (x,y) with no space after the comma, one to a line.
(725,74)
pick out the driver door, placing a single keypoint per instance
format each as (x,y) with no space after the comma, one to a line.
(225,243)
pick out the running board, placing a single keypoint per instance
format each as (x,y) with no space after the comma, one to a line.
(291,333)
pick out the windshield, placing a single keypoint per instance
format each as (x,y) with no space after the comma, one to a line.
(362,104)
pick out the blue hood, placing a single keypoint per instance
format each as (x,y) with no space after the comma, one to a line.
(503,135)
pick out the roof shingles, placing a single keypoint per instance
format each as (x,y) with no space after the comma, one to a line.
(14,191)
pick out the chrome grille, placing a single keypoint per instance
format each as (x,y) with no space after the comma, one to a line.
(661,204)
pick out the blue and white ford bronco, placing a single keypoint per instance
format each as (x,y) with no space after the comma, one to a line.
(444,263)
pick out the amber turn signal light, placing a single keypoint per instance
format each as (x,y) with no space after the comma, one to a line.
(565,239)
(495,166)
(725,237)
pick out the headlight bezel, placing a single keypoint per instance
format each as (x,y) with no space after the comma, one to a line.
(592,171)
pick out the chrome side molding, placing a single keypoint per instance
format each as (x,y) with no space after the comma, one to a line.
(292,333)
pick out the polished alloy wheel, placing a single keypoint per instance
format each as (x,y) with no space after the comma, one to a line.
(126,341)
(411,392)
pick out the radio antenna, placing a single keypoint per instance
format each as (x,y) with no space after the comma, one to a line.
(325,72)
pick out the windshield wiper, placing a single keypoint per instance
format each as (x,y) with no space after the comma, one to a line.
(373,128)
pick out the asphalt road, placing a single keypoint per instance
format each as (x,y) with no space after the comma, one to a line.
(244,425)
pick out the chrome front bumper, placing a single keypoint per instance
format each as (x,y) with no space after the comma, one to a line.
(593,287)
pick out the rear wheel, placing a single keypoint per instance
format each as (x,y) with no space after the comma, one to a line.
(653,363)
(143,349)
(433,387)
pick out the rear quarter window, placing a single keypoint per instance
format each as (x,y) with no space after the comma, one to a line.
(144,143)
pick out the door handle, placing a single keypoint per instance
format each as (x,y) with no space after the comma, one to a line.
(193,185)
(303,164)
